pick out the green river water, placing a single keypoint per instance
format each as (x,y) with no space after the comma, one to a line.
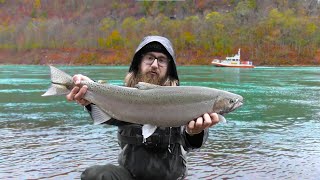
(274,135)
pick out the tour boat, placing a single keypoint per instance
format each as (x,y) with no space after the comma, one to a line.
(233,62)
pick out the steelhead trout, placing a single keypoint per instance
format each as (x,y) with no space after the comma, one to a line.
(148,104)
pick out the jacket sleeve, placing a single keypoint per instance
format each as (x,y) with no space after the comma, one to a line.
(112,121)
(194,141)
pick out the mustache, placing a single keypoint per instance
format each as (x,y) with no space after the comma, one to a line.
(153,72)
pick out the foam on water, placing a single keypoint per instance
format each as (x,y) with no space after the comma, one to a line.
(275,135)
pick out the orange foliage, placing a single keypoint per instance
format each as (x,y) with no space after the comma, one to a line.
(193,57)
(78,34)
(317,57)
(86,58)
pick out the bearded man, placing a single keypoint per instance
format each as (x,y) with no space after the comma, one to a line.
(163,154)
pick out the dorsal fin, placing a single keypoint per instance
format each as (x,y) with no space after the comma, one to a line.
(145,86)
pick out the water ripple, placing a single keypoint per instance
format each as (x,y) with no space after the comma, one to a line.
(275,135)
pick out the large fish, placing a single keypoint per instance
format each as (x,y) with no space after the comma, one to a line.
(148,104)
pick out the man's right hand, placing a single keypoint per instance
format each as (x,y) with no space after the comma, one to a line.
(78,92)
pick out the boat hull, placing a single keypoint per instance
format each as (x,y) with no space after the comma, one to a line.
(232,65)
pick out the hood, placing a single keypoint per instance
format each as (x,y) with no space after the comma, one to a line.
(168,47)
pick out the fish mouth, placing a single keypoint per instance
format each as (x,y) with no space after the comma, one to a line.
(236,105)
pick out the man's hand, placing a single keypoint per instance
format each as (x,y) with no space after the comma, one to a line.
(198,125)
(78,92)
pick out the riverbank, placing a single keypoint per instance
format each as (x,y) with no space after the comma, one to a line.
(89,56)
(76,56)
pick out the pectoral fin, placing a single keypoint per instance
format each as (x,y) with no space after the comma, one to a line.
(98,115)
(148,130)
(222,119)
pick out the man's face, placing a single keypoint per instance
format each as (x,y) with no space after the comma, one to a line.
(154,67)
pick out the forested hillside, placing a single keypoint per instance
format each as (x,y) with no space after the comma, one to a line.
(273,32)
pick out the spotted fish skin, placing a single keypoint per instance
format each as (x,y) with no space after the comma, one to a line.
(161,106)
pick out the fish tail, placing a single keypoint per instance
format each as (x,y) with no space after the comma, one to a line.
(59,82)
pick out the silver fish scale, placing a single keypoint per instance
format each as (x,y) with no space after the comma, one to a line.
(163,106)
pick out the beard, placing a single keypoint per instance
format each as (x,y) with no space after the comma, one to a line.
(148,78)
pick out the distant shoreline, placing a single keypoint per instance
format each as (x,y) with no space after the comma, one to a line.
(98,57)
(11,64)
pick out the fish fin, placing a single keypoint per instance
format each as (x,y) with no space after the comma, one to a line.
(222,119)
(56,89)
(102,81)
(59,82)
(60,77)
(145,86)
(148,130)
(98,115)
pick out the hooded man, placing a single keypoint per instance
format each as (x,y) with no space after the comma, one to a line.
(162,155)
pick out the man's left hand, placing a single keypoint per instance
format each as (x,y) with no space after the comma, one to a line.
(198,125)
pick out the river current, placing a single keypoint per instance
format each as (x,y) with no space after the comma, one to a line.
(274,135)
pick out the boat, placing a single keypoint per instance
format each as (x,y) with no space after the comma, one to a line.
(234,62)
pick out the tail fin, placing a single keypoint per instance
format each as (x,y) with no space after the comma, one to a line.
(60,81)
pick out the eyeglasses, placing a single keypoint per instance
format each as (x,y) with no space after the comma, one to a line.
(149,59)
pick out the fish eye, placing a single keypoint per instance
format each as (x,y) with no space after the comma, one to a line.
(231,101)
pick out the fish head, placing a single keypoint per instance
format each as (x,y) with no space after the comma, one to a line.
(227,103)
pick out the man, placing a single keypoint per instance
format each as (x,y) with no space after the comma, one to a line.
(162,155)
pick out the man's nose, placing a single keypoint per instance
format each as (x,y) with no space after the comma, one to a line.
(155,63)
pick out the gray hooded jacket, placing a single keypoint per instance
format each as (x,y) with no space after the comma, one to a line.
(162,156)
(167,49)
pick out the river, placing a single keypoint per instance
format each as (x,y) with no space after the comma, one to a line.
(274,135)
